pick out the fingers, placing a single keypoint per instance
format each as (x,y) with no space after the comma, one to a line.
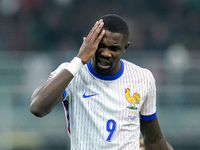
(91,42)
(96,30)
(92,30)
(100,37)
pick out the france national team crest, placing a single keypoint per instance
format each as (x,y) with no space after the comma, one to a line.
(133,99)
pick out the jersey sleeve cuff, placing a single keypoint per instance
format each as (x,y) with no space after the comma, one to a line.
(64,95)
(148,118)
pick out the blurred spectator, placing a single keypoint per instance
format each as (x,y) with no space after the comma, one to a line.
(57,24)
(9,7)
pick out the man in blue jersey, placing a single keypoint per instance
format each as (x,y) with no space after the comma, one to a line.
(107,100)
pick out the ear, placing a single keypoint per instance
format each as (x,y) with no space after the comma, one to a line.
(126,46)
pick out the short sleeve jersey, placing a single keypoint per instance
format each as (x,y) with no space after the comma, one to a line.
(104,112)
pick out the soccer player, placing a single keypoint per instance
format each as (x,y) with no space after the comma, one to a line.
(107,100)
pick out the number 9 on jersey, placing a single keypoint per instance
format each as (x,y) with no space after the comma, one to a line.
(110,127)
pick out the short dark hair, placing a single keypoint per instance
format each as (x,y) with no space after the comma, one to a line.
(115,23)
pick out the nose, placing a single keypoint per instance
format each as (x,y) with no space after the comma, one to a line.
(106,53)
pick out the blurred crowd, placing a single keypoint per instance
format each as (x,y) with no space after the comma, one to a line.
(60,25)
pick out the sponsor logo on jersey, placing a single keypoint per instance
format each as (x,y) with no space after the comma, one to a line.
(87,96)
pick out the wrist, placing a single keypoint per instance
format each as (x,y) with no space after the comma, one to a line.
(74,66)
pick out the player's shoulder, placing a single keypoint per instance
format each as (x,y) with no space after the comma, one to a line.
(61,67)
(136,68)
(130,65)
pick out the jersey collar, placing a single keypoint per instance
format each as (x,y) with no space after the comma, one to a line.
(108,78)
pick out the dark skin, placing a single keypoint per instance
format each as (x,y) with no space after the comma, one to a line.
(47,96)
(104,49)
(153,137)
(106,60)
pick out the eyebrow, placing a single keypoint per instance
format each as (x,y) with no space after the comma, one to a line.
(114,45)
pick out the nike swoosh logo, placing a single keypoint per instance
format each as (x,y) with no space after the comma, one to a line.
(87,96)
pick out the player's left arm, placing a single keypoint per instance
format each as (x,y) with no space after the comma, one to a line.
(153,137)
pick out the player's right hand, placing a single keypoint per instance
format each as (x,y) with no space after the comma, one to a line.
(91,42)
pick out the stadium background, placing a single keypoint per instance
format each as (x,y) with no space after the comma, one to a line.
(37,35)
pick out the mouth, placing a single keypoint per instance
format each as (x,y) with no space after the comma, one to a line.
(103,64)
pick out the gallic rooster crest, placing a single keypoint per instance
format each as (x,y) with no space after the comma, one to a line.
(135,99)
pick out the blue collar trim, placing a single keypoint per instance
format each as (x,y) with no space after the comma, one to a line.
(107,78)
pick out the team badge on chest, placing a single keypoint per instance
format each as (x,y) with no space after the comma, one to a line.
(133,100)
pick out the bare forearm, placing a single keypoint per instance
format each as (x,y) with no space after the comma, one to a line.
(163,147)
(47,96)
(153,137)
(157,145)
